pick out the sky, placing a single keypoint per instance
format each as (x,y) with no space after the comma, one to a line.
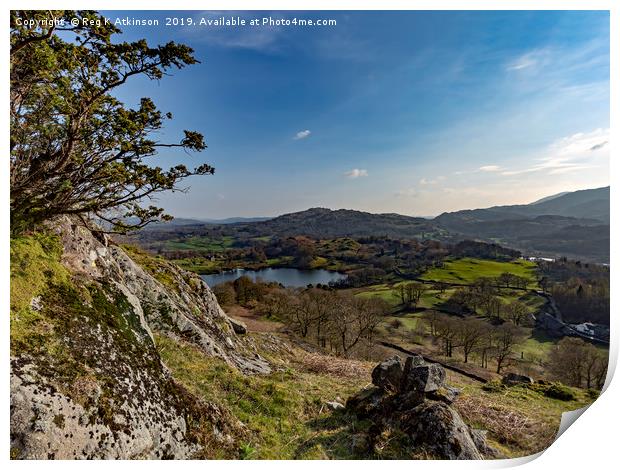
(416,113)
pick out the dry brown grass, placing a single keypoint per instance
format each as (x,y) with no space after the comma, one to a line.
(507,425)
(340,367)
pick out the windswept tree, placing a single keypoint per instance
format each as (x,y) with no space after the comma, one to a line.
(75,148)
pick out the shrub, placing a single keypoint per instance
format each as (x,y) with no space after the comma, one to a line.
(560,392)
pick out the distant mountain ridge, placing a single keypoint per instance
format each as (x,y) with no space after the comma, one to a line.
(574,224)
(586,203)
(320,222)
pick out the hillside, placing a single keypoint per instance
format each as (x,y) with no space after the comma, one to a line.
(574,224)
(590,206)
(327,223)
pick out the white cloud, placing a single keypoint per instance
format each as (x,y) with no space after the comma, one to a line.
(528,60)
(428,182)
(569,154)
(489,168)
(356,173)
(302,135)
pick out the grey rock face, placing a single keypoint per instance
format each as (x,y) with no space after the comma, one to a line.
(388,374)
(106,394)
(366,401)
(187,307)
(47,424)
(420,408)
(445,394)
(436,425)
(424,378)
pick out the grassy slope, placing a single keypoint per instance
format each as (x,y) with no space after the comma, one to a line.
(285,411)
(286,415)
(521,421)
(467,270)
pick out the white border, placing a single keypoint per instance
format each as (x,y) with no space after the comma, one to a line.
(589,444)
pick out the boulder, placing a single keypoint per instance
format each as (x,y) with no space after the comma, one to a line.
(366,401)
(437,426)
(388,374)
(479,436)
(445,394)
(424,378)
(238,326)
(334,405)
(516,379)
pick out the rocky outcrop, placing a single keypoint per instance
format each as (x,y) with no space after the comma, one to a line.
(87,381)
(165,297)
(414,398)
(516,379)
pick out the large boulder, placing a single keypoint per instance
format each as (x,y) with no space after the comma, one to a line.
(419,406)
(437,426)
(388,374)
(423,378)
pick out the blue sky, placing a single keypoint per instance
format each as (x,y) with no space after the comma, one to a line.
(409,112)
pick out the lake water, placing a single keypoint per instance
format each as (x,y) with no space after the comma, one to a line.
(289,277)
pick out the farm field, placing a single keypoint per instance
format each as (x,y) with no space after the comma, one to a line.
(467,270)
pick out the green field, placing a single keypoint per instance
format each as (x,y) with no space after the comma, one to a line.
(467,270)
(201,244)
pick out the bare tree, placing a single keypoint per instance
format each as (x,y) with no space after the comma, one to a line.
(577,363)
(516,312)
(505,337)
(470,332)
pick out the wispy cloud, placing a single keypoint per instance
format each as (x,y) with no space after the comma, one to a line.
(356,173)
(569,154)
(529,60)
(302,135)
(490,168)
(428,182)
(598,146)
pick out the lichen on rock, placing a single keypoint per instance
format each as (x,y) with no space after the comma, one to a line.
(87,380)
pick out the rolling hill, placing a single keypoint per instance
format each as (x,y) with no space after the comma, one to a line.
(327,223)
(574,224)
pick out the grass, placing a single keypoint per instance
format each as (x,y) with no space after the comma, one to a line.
(285,411)
(35,264)
(201,244)
(521,420)
(158,267)
(467,270)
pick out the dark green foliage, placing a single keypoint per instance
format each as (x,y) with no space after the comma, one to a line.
(75,148)
(560,392)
